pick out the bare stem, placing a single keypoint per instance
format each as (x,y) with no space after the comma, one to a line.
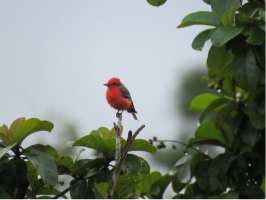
(120,158)
(184,145)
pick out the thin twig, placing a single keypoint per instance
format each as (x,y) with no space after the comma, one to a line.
(184,145)
(62,193)
(116,171)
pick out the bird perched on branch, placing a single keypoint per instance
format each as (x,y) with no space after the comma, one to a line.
(118,96)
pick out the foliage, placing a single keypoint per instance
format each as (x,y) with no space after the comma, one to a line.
(236,68)
(34,171)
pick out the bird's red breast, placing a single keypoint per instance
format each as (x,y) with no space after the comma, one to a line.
(116,100)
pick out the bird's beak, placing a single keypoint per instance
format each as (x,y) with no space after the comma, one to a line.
(106,84)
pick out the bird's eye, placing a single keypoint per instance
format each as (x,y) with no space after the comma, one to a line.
(114,83)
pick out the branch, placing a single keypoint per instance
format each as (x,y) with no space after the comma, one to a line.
(184,145)
(116,171)
(62,193)
(120,158)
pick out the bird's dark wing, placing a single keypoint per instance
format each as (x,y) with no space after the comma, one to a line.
(124,91)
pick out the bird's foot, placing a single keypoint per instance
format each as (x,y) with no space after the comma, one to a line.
(118,114)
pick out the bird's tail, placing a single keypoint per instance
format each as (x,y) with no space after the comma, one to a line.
(134,115)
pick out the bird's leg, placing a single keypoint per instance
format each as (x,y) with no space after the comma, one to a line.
(118,114)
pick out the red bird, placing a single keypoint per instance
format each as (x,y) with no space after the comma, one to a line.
(118,96)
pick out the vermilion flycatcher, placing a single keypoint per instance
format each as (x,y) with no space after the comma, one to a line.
(118,96)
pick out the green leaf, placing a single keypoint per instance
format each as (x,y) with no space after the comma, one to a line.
(244,69)
(220,165)
(104,132)
(177,185)
(161,184)
(65,163)
(145,167)
(142,145)
(214,105)
(15,124)
(6,149)
(259,51)
(30,126)
(4,194)
(236,44)
(207,133)
(78,189)
(183,160)
(238,165)
(198,157)
(227,18)
(257,119)
(126,184)
(223,34)
(247,131)
(230,195)
(184,173)
(4,135)
(200,39)
(148,180)
(107,147)
(201,17)
(220,7)
(32,174)
(132,165)
(254,35)
(217,184)
(224,115)
(218,61)
(102,188)
(251,191)
(202,175)
(87,163)
(201,101)
(45,165)
(47,149)
(156,2)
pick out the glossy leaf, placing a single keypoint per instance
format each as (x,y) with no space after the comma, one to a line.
(257,119)
(223,34)
(251,191)
(200,39)
(3,151)
(132,165)
(201,101)
(15,124)
(160,185)
(142,145)
(259,51)
(104,132)
(78,189)
(156,2)
(45,165)
(65,163)
(184,175)
(102,188)
(227,18)
(201,17)
(213,106)
(145,167)
(236,44)
(244,69)
(183,160)
(220,165)
(220,7)
(247,131)
(30,126)
(254,35)
(202,175)
(177,185)
(224,115)
(47,149)
(207,133)
(125,185)
(218,61)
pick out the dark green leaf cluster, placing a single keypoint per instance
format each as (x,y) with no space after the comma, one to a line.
(33,172)
(236,69)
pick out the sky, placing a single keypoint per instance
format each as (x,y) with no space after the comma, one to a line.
(55,57)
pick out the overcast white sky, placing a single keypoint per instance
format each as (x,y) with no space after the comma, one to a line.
(56,56)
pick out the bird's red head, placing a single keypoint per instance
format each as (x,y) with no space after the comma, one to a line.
(113,82)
